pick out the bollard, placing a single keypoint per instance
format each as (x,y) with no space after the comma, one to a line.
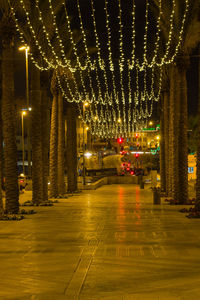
(156,195)
(141,184)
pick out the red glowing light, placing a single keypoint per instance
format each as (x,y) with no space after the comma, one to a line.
(137,155)
(120,140)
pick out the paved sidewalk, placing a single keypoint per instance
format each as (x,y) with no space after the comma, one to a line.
(112,243)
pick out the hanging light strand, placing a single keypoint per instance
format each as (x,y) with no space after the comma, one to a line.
(56,56)
(50,64)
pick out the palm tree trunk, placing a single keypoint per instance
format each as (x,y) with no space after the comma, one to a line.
(166,137)
(197,204)
(61,146)
(53,162)
(162,148)
(170,168)
(71,149)
(1,158)
(173,141)
(183,130)
(37,172)
(8,116)
(45,135)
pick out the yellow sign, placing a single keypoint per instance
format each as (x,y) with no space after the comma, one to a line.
(192,168)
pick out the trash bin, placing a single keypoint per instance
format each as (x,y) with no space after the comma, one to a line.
(156,195)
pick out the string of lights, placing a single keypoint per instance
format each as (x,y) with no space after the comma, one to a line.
(24,42)
(103,81)
(88,63)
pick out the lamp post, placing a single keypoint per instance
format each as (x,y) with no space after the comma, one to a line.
(85,104)
(23,113)
(119,121)
(26,49)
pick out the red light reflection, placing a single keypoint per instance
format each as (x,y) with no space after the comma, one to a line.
(137,206)
(121,235)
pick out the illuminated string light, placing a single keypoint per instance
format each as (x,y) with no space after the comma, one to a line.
(109,103)
(36,41)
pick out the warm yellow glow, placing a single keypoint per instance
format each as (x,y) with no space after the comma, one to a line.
(150,123)
(23,112)
(87,128)
(158,137)
(96,118)
(119,120)
(86,103)
(88,154)
(24,48)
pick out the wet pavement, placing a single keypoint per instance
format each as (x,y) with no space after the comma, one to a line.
(112,243)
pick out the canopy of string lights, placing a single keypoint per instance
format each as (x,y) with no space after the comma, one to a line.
(118,80)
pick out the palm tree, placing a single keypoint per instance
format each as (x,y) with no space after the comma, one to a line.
(45,131)
(7,31)
(165,130)
(197,204)
(61,146)
(39,142)
(173,127)
(53,159)
(1,158)
(71,148)
(178,94)
(162,147)
(37,171)
(181,94)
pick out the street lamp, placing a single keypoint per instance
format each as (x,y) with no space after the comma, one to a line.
(23,113)
(26,49)
(85,104)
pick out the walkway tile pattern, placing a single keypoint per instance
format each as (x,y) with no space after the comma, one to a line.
(112,243)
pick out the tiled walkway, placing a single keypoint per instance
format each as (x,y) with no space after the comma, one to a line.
(112,243)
